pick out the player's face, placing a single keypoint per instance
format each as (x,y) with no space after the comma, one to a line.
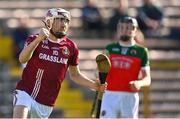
(127,30)
(60,25)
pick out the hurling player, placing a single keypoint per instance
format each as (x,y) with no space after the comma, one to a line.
(121,99)
(48,54)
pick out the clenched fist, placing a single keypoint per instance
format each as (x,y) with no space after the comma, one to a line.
(43,34)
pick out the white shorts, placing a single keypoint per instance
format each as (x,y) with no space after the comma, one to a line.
(36,110)
(119,105)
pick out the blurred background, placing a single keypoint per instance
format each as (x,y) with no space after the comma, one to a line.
(93,26)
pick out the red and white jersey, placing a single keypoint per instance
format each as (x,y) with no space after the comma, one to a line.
(45,71)
(126,63)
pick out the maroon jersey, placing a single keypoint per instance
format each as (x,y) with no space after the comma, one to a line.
(45,71)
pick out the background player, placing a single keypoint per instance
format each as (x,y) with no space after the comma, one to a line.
(48,56)
(121,99)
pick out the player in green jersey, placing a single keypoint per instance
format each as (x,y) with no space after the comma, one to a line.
(121,99)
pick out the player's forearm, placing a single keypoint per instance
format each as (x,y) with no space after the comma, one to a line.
(27,52)
(84,81)
(81,79)
(146,81)
(146,77)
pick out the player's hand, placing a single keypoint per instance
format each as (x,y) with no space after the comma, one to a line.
(43,34)
(100,87)
(135,85)
(103,87)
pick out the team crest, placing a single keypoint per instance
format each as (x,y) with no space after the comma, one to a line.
(133,52)
(65,50)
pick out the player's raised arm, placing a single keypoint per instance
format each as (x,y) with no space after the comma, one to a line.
(28,50)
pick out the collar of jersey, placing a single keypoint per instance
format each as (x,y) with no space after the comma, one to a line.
(127,45)
(58,40)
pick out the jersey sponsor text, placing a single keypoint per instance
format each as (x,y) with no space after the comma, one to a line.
(52,58)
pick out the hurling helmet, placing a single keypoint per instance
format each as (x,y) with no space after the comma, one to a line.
(129,20)
(55,13)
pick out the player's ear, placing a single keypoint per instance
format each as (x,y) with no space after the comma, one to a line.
(48,23)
